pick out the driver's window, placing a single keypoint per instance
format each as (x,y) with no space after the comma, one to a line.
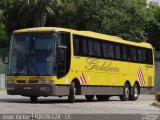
(63,54)
(62,41)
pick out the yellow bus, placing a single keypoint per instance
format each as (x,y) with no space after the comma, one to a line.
(52,61)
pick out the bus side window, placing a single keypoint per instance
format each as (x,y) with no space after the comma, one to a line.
(105,50)
(76,46)
(144,56)
(94,48)
(132,54)
(91,45)
(124,53)
(97,49)
(118,51)
(108,50)
(140,55)
(149,57)
(84,47)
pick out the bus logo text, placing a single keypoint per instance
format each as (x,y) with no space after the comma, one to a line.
(95,64)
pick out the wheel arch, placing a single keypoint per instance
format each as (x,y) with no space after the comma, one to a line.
(127,82)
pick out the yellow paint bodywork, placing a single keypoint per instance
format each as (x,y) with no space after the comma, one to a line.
(103,72)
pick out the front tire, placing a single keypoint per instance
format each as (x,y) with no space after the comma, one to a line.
(72,93)
(89,97)
(126,93)
(135,92)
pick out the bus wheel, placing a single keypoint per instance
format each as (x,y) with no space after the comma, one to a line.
(72,93)
(89,97)
(135,93)
(102,97)
(33,99)
(126,93)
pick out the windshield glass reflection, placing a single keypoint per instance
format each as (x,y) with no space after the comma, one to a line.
(33,54)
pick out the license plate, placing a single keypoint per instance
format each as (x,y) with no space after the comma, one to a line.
(27,88)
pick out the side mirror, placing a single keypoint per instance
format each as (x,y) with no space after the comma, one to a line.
(6,60)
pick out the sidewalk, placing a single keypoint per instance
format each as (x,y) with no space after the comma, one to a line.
(156,103)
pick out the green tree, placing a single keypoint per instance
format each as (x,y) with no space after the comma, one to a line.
(152,26)
(10,18)
(4,39)
(28,13)
(129,19)
(123,18)
(36,12)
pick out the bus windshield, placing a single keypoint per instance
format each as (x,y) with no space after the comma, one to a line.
(32,54)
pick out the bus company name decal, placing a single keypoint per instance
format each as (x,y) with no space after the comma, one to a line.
(99,65)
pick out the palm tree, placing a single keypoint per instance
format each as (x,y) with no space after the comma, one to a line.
(36,12)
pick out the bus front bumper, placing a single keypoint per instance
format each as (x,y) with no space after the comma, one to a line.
(31,89)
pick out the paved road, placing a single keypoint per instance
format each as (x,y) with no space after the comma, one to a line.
(53,105)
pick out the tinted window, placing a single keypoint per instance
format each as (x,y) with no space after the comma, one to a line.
(118,51)
(97,48)
(149,57)
(62,39)
(132,54)
(84,47)
(76,46)
(144,55)
(124,53)
(94,48)
(140,55)
(108,50)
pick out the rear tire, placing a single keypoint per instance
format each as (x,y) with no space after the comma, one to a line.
(72,93)
(89,97)
(126,93)
(102,97)
(135,93)
(33,99)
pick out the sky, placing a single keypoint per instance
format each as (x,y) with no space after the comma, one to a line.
(157,1)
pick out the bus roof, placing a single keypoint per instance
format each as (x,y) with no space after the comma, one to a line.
(85,33)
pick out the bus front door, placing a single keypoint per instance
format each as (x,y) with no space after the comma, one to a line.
(61,62)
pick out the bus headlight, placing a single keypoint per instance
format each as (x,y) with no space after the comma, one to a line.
(44,88)
(47,81)
(10,81)
(10,88)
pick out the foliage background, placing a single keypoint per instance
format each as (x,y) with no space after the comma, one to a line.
(133,20)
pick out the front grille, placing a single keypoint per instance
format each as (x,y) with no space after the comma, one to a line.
(21,81)
(33,81)
(27,81)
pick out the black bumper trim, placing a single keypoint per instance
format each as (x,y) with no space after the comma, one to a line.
(31,89)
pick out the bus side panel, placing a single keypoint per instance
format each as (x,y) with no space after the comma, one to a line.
(118,78)
(142,73)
